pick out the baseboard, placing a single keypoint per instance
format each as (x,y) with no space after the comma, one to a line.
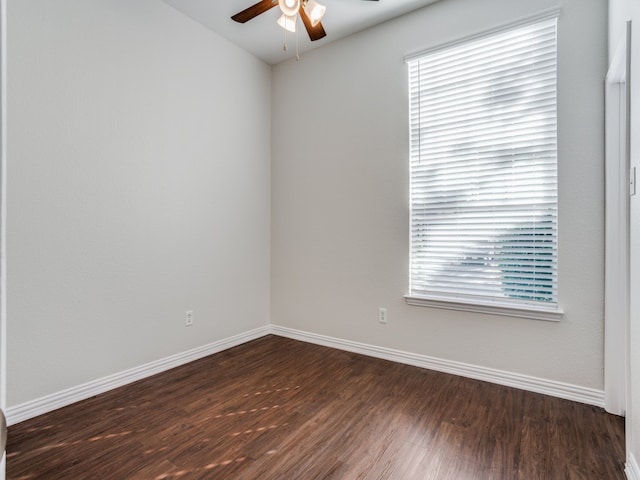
(524,382)
(33,408)
(48,403)
(632,469)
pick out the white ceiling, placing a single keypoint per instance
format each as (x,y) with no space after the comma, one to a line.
(264,38)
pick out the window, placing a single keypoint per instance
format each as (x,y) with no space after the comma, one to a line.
(484,173)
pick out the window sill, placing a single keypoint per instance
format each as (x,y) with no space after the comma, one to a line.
(531,312)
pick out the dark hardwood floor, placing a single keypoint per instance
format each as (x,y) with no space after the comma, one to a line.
(276,408)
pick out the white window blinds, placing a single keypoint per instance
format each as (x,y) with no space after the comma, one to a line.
(483,169)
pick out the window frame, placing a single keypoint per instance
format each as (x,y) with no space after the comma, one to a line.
(537,310)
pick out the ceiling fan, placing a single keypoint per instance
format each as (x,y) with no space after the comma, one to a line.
(310,12)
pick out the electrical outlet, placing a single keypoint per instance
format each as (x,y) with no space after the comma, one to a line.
(382,315)
(188,318)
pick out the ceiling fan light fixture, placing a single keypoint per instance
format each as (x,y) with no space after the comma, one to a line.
(314,11)
(289,7)
(288,22)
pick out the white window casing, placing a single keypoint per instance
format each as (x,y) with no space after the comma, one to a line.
(483,154)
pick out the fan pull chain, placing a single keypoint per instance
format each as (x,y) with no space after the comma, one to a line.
(297,50)
(284,46)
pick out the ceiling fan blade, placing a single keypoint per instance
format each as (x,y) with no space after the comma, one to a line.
(254,10)
(315,33)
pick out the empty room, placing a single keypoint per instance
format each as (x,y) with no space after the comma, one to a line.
(333,239)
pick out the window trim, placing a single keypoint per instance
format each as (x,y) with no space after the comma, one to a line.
(539,311)
(551,314)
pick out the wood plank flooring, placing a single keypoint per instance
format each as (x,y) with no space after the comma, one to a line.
(276,408)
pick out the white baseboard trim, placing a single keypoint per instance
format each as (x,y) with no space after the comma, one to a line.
(25,411)
(632,469)
(48,403)
(524,382)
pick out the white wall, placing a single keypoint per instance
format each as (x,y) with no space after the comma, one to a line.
(139,187)
(620,11)
(340,202)
(134,193)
